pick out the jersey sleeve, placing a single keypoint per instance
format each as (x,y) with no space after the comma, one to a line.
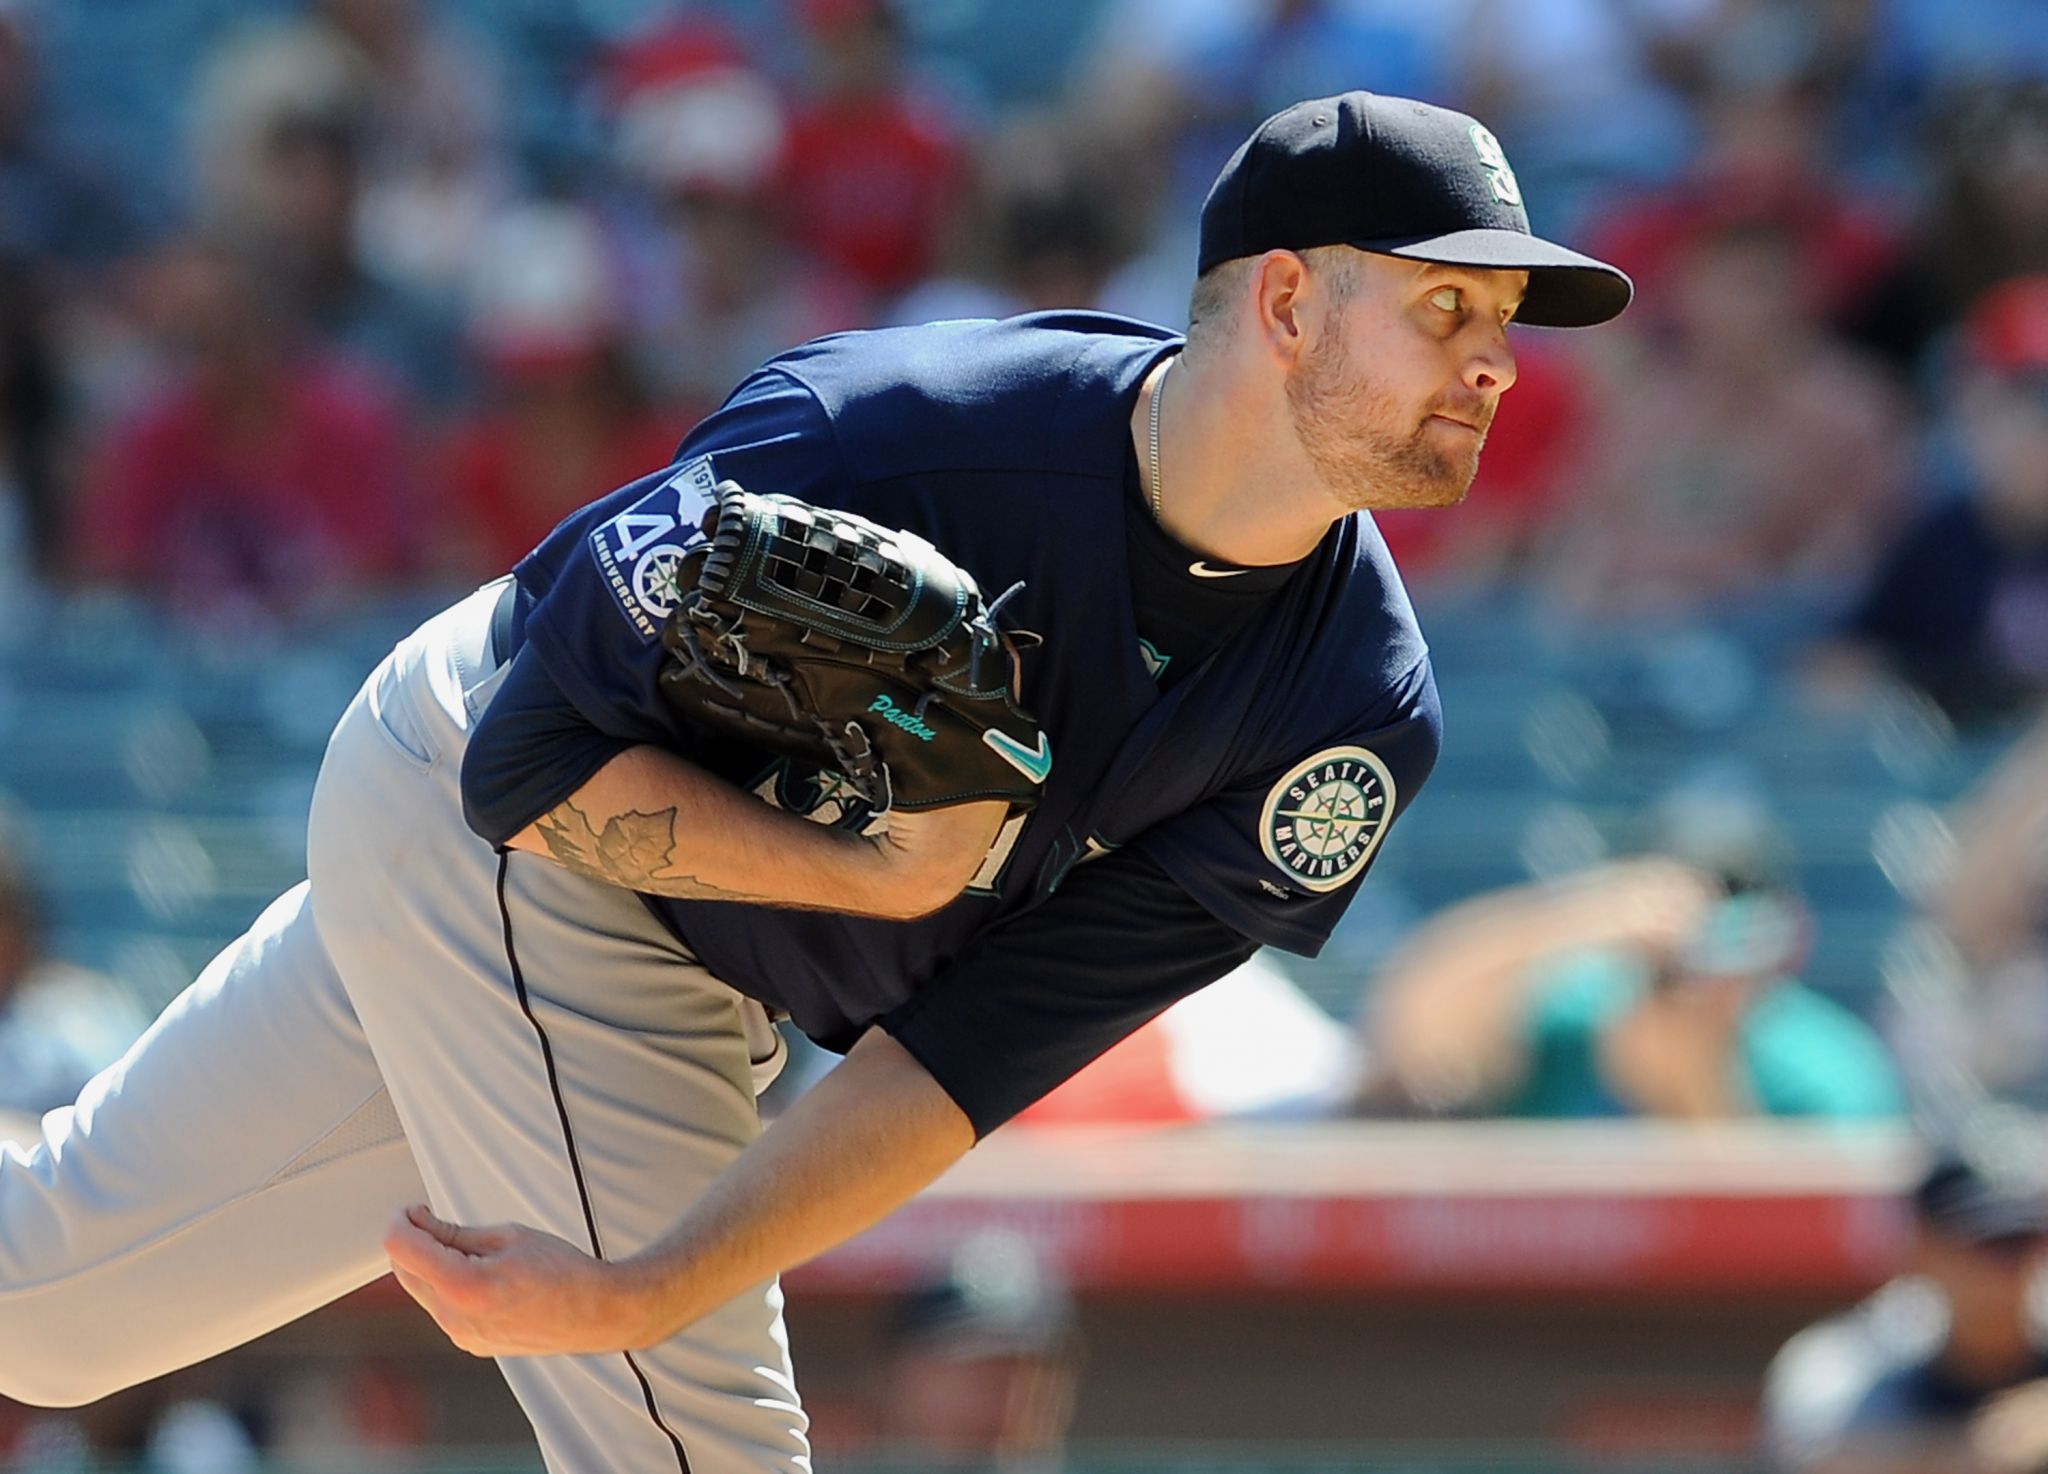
(1033,1001)
(530,750)
(603,585)
(1279,856)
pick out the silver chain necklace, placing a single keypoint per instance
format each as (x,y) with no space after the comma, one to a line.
(1158,394)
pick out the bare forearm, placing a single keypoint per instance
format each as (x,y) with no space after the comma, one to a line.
(653,822)
(862,1143)
(1448,1024)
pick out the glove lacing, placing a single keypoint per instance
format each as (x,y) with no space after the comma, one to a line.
(982,636)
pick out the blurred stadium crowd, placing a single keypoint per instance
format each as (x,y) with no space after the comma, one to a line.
(312,311)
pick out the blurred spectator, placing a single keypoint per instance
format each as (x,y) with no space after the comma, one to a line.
(1845,58)
(1942,41)
(875,170)
(283,141)
(1959,604)
(1984,217)
(59,1024)
(1750,455)
(197,1436)
(714,283)
(433,165)
(1589,96)
(1765,159)
(1763,171)
(1044,230)
(1945,1369)
(33,449)
(1631,989)
(1192,77)
(1169,87)
(362,1414)
(1250,1045)
(980,1366)
(1969,1007)
(53,206)
(1235,62)
(265,475)
(564,420)
(422,102)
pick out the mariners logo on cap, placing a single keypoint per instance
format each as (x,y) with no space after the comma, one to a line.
(1493,158)
(1323,820)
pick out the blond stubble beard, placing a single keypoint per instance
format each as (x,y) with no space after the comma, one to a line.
(1331,400)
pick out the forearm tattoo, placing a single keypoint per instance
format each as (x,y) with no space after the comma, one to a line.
(635,850)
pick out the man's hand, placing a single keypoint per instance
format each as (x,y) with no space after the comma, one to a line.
(515,1291)
(856,1147)
(1678,1053)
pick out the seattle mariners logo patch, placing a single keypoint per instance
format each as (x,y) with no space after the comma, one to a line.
(1323,820)
(1494,160)
(638,550)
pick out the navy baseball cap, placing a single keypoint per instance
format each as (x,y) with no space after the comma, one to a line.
(1401,178)
(1979,1199)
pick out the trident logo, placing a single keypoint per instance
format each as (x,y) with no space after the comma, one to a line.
(1495,162)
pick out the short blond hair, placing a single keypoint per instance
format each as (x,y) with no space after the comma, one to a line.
(1212,303)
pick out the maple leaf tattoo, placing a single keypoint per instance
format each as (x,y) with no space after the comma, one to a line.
(638,845)
(635,850)
(567,833)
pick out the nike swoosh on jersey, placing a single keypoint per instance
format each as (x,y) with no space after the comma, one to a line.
(1033,765)
(1202,570)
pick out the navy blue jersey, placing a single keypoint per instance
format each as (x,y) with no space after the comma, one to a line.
(1261,783)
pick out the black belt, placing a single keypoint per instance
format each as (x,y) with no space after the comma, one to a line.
(501,623)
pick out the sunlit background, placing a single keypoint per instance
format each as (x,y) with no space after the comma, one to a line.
(1725,914)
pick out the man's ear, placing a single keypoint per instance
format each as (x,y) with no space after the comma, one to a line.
(1279,284)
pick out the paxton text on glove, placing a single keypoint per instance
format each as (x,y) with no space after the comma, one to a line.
(898,717)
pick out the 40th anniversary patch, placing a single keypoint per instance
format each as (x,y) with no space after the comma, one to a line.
(638,550)
(1322,821)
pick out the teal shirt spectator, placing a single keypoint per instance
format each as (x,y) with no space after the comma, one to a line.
(1803,1055)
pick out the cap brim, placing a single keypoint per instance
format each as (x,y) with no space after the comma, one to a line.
(1566,289)
(1995,1224)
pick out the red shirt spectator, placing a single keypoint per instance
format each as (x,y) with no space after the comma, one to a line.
(872,174)
(273,501)
(510,480)
(266,471)
(1764,166)
(566,419)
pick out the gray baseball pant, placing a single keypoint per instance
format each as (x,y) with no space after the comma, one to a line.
(423,1018)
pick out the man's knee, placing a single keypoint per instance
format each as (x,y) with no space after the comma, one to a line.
(49,1382)
(57,1347)
(50,1356)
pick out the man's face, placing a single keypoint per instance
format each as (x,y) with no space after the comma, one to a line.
(1393,395)
(1984,1283)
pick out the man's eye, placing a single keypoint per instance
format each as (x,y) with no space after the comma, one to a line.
(1448,299)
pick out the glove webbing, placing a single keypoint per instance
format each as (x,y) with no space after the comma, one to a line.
(851,750)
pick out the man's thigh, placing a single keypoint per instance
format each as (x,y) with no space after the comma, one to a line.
(558,1060)
(233,1170)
